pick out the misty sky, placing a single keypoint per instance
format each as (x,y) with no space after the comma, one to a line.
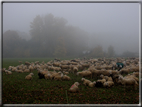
(114,24)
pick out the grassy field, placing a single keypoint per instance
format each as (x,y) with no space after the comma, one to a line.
(17,90)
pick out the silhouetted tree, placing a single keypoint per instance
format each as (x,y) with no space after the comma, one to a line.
(110,51)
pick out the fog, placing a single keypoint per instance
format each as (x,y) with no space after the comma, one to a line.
(92,24)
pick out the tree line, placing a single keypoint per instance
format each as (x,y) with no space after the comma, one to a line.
(51,37)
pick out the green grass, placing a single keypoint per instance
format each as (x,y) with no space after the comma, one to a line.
(17,90)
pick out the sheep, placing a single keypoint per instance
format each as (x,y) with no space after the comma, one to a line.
(108,84)
(85,73)
(124,71)
(100,82)
(65,72)
(26,70)
(19,71)
(8,72)
(58,77)
(55,74)
(136,74)
(3,69)
(92,84)
(74,87)
(103,77)
(31,68)
(73,63)
(65,77)
(57,64)
(64,66)
(84,65)
(27,63)
(106,72)
(75,70)
(128,81)
(14,69)
(85,81)
(109,79)
(132,76)
(9,68)
(29,77)
(64,62)
(56,68)
(48,76)
(41,73)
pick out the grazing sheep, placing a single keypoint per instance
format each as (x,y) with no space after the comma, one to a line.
(74,87)
(75,70)
(31,68)
(124,71)
(3,69)
(55,74)
(26,70)
(29,77)
(108,84)
(92,84)
(8,72)
(58,77)
(41,73)
(132,76)
(85,74)
(136,74)
(64,66)
(128,81)
(66,73)
(48,76)
(85,81)
(14,69)
(19,71)
(57,64)
(27,63)
(103,77)
(100,82)
(65,77)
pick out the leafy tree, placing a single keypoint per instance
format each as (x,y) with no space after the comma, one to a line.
(111,51)
(128,54)
(97,51)
(13,45)
(46,31)
(60,50)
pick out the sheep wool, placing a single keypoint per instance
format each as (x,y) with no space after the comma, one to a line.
(74,87)
(92,84)
(29,77)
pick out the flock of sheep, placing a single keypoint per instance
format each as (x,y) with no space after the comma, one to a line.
(105,71)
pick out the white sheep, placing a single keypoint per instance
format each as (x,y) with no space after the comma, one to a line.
(65,77)
(75,70)
(8,72)
(19,71)
(108,84)
(85,81)
(26,70)
(66,73)
(101,80)
(132,76)
(58,77)
(128,81)
(84,73)
(29,77)
(74,87)
(92,84)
